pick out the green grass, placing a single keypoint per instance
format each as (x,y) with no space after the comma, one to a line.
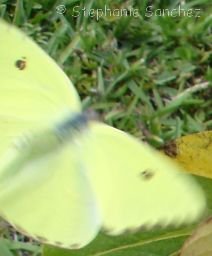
(148,76)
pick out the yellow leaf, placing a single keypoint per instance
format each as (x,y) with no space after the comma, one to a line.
(193,152)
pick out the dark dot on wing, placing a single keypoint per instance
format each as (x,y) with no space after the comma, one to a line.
(41,239)
(129,230)
(74,246)
(147,174)
(21,63)
(107,230)
(59,244)
(143,227)
(159,225)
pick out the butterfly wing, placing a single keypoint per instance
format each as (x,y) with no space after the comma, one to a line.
(21,59)
(34,91)
(135,185)
(50,199)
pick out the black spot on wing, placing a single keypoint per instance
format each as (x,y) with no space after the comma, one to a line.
(62,245)
(21,63)
(147,174)
(108,230)
(74,246)
(58,244)
(41,239)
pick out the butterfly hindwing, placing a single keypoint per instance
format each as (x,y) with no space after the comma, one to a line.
(137,186)
(51,200)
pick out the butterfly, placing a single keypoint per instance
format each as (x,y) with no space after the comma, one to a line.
(64,177)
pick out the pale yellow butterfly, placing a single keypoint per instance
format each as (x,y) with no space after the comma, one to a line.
(63,177)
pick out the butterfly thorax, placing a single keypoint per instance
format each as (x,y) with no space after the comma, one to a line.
(39,144)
